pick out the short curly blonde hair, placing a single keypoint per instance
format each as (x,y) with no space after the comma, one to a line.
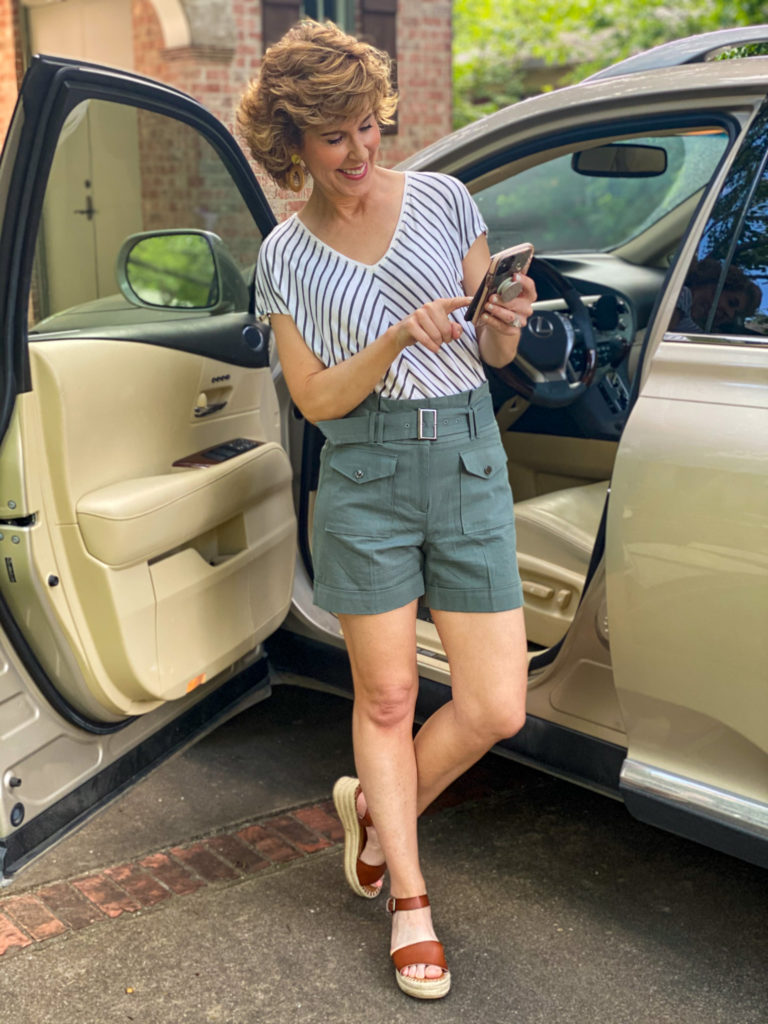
(314,76)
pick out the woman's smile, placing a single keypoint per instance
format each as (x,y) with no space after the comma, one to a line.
(354,172)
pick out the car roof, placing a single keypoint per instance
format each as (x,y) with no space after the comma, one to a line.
(691,88)
(692,50)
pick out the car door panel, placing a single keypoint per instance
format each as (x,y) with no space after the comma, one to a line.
(687,540)
(686,573)
(138,583)
(154,563)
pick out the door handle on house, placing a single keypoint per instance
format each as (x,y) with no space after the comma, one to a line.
(89,212)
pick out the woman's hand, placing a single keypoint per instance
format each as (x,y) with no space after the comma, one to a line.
(500,324)
(510,317)
(430,325)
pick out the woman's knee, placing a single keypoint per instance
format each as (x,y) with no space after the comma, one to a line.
(492,722)
(387,706)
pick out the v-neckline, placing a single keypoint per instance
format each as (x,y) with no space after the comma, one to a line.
(390,244)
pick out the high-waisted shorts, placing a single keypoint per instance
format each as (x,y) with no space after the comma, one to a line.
(414,500)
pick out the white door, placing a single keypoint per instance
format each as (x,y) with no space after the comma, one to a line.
(82,223)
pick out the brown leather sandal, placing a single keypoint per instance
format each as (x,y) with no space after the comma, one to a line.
(362,877)
(428,952)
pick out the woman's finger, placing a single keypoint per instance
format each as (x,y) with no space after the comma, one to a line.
(451,305)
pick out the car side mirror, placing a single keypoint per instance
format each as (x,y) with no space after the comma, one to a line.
(180,269)
(620,160)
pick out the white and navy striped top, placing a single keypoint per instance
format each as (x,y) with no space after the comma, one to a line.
(340,305)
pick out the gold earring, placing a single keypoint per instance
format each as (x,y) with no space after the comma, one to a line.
(296,178)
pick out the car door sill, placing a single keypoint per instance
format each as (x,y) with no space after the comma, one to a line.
(20,847)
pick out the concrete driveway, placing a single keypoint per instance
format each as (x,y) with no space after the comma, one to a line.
(214,892)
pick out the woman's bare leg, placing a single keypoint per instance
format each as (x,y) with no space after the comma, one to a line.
(487,655)
(382,653)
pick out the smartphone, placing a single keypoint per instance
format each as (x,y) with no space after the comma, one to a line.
(499,278)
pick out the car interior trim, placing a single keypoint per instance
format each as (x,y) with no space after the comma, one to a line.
(236,338)
(40,678)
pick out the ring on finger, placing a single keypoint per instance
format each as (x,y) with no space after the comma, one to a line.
(516,322)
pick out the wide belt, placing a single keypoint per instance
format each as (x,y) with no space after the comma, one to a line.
(414,424)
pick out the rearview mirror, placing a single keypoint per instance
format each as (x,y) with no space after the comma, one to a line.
(620,160)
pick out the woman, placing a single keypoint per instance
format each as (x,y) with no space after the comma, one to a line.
(366,289)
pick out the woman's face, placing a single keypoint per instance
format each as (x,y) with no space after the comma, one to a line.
(341,156)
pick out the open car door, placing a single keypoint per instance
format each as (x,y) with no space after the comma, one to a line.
(687,545)
(146,517)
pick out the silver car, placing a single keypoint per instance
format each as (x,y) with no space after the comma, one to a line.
(156,485)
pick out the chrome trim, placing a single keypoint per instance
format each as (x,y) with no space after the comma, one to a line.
(688,794)
(725,340)
(424,652)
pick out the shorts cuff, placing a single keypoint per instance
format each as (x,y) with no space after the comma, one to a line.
(352,602)
(500,599)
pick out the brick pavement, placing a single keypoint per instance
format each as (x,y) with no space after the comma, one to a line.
(50,911)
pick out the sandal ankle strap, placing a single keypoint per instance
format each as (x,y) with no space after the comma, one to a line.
(395,903)
(365,821)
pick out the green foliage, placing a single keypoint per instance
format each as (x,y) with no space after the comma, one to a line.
(493,41)
(752,50)
(480,87)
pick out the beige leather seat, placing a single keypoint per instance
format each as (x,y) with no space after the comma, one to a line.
(555,536)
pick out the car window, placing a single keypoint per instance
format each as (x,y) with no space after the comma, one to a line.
(121,171)
(561,210)
(726,287)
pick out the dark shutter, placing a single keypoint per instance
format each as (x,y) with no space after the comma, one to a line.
(277,16)
(378,24)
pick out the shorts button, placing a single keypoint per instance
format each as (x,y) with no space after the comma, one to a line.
(487,470)
(359,474)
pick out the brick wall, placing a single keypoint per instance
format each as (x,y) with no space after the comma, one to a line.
(424,41)
(10,60)
(217,75)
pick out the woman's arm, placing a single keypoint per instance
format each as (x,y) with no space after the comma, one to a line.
(330,392)
(497,338)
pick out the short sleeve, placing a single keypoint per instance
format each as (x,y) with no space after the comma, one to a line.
(469,220)
(267,294)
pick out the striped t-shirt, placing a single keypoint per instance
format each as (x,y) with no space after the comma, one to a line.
(340,305)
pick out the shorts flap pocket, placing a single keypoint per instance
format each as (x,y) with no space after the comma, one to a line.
(484,462)
(362,466)
(484,494)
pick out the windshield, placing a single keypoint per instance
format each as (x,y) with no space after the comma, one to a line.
(560,210)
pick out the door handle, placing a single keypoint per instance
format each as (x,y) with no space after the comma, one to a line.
(206,410)
(89,211)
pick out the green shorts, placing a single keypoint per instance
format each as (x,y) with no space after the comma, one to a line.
(413,499)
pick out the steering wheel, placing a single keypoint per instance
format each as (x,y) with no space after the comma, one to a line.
(541,372)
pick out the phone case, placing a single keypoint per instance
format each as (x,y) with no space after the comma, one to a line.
(501,270)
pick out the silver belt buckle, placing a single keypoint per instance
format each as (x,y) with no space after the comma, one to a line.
(427,428)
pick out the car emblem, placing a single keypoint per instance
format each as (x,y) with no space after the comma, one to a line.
(541,326)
